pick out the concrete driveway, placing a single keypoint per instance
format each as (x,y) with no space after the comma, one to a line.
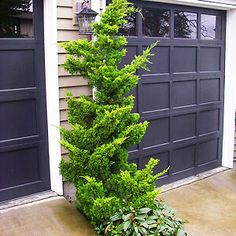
(52,217)
(209,205)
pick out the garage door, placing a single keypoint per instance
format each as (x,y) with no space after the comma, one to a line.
(23,128)
(182,94)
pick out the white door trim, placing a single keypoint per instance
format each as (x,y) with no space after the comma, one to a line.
(52,93)
(230,88)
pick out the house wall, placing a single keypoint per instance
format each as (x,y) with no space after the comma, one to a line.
(66,30)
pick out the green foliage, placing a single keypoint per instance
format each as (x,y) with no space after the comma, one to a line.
(102,129)
(159,220)
(136,188)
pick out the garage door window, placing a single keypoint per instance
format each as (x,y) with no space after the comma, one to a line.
(16,19)
(129,29)
(156,22)
(208,26)
(185,25)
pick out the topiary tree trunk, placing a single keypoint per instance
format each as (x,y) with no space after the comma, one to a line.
(101,130)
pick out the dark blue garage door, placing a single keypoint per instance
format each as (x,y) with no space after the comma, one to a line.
(23,128)
(182,94)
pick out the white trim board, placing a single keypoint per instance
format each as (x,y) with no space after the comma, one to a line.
(230,68)
(52,93)
(230,86)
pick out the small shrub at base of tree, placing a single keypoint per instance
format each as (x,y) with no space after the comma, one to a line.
(159,220)
(102,130)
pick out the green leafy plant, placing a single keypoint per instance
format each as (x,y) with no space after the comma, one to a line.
(160,220)
(102,129)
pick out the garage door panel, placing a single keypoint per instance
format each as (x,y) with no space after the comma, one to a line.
(185,59)
(184,127)
(209,121)
(185,97)
(157,133)
(10,78)
(210,59)
(159,62)
(19,119)
(210,90)
(19,171)
(155,96)
(207,152)
(183,159)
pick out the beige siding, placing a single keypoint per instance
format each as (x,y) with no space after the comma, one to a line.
(75,84)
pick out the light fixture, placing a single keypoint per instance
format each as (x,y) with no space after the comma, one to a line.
(85,17)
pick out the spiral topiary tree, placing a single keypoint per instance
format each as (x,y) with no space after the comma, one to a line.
(102,129)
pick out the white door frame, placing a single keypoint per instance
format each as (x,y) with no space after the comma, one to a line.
(230,89)
(52,93)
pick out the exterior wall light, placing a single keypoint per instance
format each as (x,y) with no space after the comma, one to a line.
(85,17)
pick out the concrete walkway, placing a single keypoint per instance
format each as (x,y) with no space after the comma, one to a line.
(209,205)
